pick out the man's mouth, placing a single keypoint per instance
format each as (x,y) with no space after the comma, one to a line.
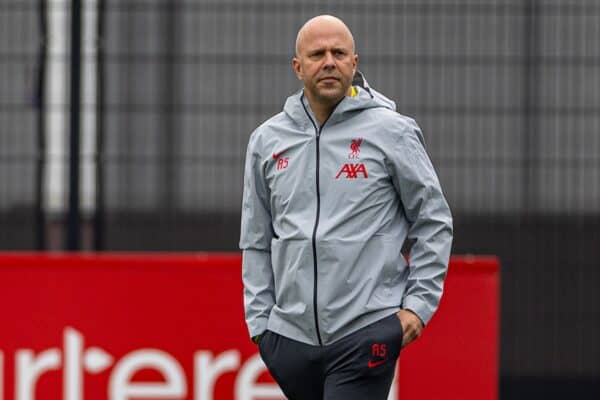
(329,79)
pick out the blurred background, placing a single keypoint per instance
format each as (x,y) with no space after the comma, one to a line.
(149,156)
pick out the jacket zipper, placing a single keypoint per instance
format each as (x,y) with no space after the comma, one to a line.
(314,235)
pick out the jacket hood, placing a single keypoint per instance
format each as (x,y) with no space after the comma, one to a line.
(361,97)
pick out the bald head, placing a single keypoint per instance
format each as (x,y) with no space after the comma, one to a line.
(325,62)
(318,26)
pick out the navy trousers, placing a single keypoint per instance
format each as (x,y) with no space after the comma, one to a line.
(359,366)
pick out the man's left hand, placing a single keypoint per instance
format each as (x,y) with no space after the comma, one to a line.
(411,326)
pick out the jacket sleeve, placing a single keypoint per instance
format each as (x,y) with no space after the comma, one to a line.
(429,218)
(255,242)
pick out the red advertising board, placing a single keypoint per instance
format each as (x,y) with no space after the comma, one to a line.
(140,326)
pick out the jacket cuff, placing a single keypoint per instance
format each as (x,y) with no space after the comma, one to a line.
(419,307)
(257,327)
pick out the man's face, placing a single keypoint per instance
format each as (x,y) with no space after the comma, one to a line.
(325,62)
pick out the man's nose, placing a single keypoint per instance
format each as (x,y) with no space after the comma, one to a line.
(329,60)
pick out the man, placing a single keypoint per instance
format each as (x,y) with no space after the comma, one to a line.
(333,187)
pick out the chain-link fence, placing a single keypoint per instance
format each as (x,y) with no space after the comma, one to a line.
(20,124)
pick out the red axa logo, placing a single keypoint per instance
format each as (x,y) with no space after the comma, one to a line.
(352,171)
(355,148)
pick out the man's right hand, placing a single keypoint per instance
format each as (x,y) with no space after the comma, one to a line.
(256,339)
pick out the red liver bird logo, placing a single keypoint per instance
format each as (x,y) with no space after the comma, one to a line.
(355,148)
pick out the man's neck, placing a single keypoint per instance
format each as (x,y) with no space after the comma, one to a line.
(322,110)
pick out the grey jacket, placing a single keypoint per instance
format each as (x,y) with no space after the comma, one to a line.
(325,213)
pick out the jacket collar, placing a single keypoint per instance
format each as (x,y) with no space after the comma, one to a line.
(360,97)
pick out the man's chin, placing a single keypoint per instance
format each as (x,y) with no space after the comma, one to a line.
(331,96)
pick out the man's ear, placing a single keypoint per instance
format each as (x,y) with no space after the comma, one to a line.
(297,68)
(355,64)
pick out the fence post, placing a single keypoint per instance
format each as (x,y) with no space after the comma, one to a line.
(74,219)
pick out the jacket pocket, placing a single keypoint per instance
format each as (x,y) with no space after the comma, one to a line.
(292,274)
(390,274)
